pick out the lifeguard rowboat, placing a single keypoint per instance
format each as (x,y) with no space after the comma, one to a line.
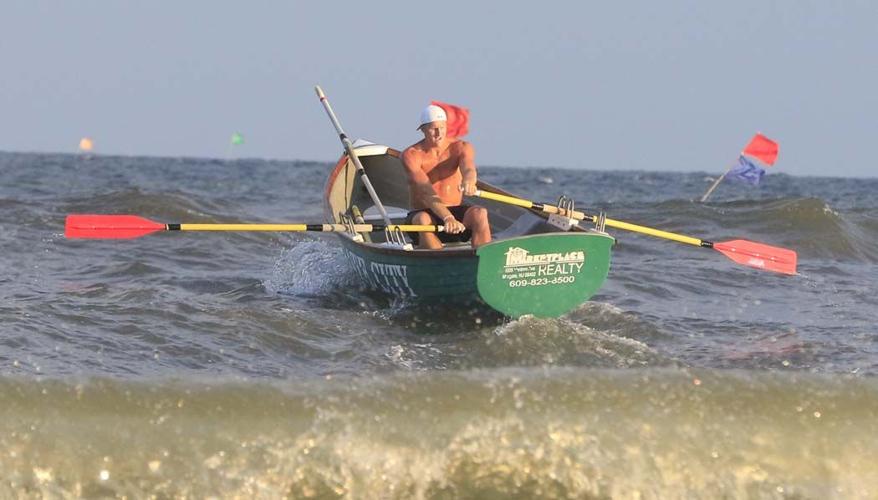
(531,267)
(541,262)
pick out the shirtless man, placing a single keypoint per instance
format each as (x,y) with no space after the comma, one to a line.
(440,171)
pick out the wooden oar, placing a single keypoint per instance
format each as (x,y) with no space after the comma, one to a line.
(133,226)
(748,253)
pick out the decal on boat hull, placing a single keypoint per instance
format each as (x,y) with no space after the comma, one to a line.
(389,278)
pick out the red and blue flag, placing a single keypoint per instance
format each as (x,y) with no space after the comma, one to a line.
(761,148)
(746,171)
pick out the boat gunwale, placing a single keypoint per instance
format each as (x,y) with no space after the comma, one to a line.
(421,253)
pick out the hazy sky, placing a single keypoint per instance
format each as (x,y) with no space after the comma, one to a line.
(641,84)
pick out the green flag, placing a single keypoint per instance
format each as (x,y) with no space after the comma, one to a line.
(237,139)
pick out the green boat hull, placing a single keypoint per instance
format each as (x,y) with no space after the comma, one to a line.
(544,275)
(414,275)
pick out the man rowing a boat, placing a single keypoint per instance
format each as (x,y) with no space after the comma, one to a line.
(441,170)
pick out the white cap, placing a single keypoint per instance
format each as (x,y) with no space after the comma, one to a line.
(432,113)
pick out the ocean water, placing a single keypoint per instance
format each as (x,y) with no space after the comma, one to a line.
(253,365)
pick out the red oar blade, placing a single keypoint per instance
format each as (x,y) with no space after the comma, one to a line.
(109,226)
(759,255)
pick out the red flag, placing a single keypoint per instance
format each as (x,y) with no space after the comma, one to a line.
(458,119)
(763,148)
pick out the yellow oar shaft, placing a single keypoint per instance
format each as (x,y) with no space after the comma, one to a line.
(242,227)
(337,228)
(574,214)
(654,232)
(508,199)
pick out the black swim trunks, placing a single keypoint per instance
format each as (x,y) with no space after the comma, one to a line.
(457,211)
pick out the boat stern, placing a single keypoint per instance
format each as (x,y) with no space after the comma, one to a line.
(545,275)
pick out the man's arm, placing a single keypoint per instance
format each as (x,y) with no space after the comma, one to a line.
(468,169)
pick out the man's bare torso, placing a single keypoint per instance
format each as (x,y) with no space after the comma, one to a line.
(442,169)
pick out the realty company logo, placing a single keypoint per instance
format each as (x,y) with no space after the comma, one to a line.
(517,257)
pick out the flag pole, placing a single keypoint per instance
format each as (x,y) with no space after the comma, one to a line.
(716,183)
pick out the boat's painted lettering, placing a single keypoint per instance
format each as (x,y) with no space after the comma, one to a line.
(389,278)
(516,256)
(554,269)
(557,280)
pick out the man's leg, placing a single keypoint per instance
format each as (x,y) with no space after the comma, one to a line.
(476,220)
(427,240)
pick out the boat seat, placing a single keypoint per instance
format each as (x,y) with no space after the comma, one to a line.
(396,214)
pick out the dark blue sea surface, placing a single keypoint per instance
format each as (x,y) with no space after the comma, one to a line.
(255,365)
